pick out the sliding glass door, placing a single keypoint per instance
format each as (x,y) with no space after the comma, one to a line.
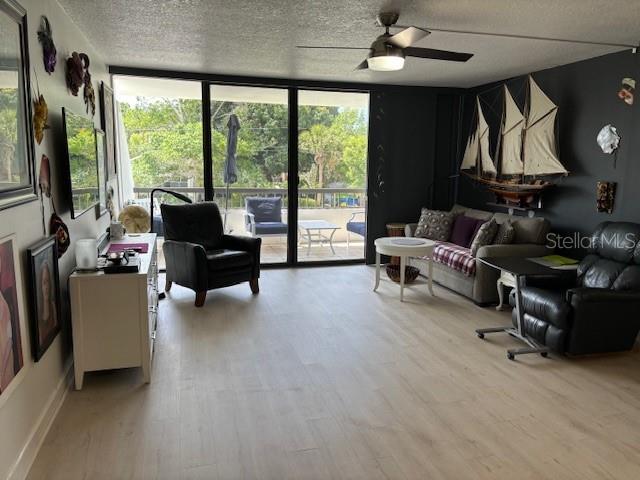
(249,145)
(258,139)
(332,167)
(162,144)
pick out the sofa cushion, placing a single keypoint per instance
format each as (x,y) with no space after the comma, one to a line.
(486,234)
(471,212)
(358,228)
(265,209)
(223,259)
(435,225)
(455,257)
(271,228)
(505,233)
(463,230)
(527,230)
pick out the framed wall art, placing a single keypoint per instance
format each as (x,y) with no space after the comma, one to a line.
(11,359)
(101,156)
(17,177)
(108,125)
(44,291)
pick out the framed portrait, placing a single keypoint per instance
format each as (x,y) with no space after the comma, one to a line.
(44,291)
(108,126)
(17,177)
(101,207)
(11,359)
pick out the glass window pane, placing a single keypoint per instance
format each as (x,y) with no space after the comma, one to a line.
(250,135)
(332,162)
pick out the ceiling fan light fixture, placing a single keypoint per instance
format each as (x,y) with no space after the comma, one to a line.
(387,63)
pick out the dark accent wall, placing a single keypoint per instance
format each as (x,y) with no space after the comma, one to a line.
(412,144)
(586,93)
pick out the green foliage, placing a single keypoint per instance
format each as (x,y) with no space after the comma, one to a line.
(165,143)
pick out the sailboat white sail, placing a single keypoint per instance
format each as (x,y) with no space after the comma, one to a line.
(477,152)
(540,156)
(511,141)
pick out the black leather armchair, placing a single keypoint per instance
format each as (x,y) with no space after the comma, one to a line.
(595,310)
(200,256)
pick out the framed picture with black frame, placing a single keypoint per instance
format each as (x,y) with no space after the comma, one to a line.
(101,207)
(107,110)
(17,176)
(44,292)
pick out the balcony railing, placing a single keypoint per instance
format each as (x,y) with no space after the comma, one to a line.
(328,198)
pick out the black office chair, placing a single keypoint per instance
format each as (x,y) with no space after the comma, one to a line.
(200,256)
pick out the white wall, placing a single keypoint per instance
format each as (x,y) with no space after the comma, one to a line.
(28,404)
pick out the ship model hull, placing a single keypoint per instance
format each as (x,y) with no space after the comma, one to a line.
(510,193)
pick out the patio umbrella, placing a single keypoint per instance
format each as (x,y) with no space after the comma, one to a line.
(230,165)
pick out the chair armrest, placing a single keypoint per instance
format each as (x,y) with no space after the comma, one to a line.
(601,295)
(245,244)
(513,250)
(354,215)
(186,264)
(410,229)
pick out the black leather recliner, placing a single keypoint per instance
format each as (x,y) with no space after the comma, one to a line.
(595,310)
(200,256)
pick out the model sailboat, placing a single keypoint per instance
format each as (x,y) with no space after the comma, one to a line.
(526,149)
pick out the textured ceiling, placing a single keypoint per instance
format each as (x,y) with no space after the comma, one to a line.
(258,38)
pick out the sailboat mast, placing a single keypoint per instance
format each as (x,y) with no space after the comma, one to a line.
(527,109)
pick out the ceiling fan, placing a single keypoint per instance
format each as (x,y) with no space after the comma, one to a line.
(387,52)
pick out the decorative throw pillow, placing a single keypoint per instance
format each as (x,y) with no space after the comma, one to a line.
(485,236)
(464,229)
(435,225)
(506,233)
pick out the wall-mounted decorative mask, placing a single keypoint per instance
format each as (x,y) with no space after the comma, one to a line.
(89,92)
(49,53)
(75,72)
(627,90)
(605,196)
(44,179)
(58,228)
(40,115)
(608,139)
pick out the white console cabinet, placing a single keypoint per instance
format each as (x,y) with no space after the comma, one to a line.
(114,316)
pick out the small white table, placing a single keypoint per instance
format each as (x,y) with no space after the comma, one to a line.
(312,231)
(404,248)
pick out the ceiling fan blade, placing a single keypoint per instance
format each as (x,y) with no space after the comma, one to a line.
(437,54)
(332,48)
(407,37)
(363,65)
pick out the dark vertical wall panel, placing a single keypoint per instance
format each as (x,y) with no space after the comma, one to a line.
(411,132)
(586,93)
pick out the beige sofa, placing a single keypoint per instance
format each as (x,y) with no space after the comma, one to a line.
(481,287)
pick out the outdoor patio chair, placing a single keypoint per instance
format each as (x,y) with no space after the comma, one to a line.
(263,216)
(357,227)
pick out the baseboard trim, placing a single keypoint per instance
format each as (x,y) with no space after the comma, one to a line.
(23,463)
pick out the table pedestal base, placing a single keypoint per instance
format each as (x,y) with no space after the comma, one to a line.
(512,352)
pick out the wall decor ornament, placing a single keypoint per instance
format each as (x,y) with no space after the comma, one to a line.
(44,294)
(608,139)
(11,360)
(75,72)
(89,92)
(40,115)
(627,90)
(60,231)
(44,179)
(17,145)
(605,196)
(49,53)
